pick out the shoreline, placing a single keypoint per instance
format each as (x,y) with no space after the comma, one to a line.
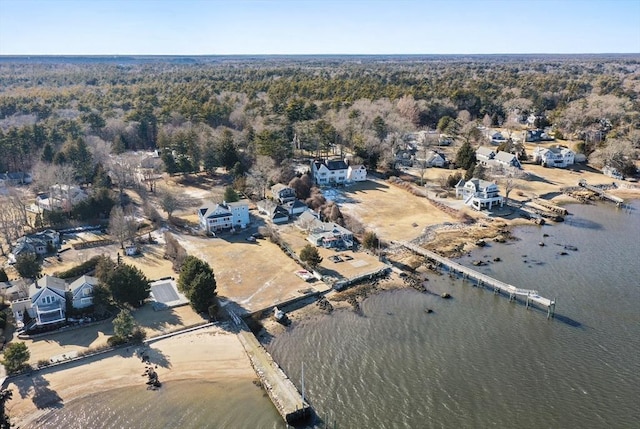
(212,354)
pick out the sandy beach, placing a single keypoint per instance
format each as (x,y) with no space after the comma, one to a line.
(209,354)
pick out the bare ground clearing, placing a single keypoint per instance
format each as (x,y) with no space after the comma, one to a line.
(253,275)
(392,213)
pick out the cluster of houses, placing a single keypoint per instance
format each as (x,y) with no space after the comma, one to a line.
(45,301)
(411,157)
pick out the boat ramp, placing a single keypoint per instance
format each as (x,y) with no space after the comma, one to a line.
(530,297)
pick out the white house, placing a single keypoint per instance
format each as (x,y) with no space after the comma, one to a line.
(61,197)
(218,217)
(433,159)
(329,172)
(559,157)
(479,194)
(507,159)
(484,154)
(357,173)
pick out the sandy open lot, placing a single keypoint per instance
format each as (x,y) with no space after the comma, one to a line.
(253,275)
(210,354)
(391,212)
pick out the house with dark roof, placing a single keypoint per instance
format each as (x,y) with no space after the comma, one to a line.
(13,179)
(40,243)
(273,211)
(224,216)
(329,172)
(283,193)
(537,136)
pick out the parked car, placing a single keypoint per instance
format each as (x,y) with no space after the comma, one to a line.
(251,239)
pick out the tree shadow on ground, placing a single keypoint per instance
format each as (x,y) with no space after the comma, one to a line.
(42,395)
(148,318)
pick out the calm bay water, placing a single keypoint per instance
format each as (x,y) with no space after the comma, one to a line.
(478,361)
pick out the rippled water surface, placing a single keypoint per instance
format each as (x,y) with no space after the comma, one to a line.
(480,361)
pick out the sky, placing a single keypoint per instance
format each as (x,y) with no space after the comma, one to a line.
(276,27)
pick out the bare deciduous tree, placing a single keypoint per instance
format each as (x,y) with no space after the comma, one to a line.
(263,171)
(122,225)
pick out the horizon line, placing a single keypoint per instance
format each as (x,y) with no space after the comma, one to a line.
(313,54)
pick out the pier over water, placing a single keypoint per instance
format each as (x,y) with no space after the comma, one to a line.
(291,405)
(529,296)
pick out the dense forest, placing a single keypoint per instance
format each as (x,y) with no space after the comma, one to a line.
(71,116)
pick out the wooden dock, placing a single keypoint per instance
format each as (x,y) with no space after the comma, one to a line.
(290,404)
(619,201)
(527,295)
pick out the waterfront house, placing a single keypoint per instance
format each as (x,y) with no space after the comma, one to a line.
(283,193)
(479,194)
(356,173)
(82,291)
(46,303)
(612,172)
(224,216)
(559,157)
(329,172)
(325,234)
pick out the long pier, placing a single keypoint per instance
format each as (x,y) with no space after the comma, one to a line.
(290,404)
(529,296)
(619,201)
